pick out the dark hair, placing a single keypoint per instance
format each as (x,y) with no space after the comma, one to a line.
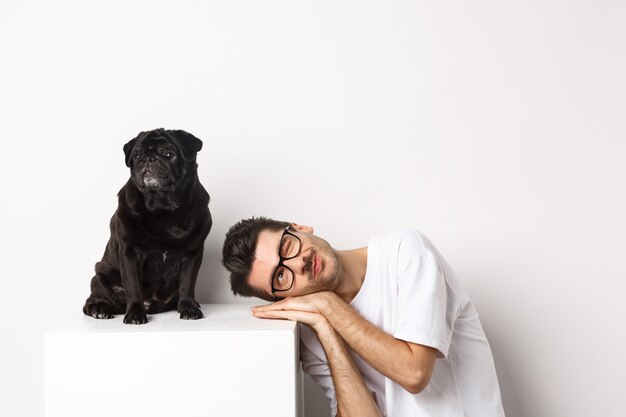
(239,250)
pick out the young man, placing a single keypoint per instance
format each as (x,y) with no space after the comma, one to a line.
(389,329)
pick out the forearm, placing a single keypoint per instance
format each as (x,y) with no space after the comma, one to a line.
(388,355)
(408,364)
(353,396)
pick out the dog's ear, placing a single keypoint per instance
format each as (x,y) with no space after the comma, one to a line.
(128,149)
(190,144)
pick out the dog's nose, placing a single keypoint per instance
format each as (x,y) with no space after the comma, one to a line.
(151,158)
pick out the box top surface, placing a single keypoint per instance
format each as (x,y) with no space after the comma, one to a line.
(217,317)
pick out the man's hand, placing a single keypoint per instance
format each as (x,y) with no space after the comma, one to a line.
(305,309)
(353,396)
(409,364)
(313,320)
(311,303)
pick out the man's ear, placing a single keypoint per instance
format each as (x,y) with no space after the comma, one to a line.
(190,144)
(128,149)
(302,228)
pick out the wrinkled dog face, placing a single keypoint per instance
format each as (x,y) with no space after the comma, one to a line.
(159,162)
(155,165)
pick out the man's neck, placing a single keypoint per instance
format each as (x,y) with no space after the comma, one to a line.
(353,264)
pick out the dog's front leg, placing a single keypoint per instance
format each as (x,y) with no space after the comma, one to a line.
(188,307)
(130,264)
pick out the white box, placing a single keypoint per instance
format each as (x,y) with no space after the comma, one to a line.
(227,364)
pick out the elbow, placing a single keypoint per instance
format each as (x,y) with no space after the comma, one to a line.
(416,383)
(414,388)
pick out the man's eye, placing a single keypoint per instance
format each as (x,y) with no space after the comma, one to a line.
(280,277)
(286,248)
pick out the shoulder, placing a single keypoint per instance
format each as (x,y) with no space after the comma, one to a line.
(406,249)
(408,241)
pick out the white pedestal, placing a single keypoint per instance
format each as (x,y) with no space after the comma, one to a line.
(227,364)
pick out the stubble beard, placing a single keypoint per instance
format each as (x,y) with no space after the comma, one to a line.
(327,281)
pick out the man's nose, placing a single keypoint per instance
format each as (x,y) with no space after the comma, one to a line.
(298,264)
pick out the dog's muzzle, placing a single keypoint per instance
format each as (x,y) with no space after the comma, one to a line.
(150,180)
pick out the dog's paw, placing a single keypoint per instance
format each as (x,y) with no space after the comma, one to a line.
(189,310)
(135,317)
(99,311)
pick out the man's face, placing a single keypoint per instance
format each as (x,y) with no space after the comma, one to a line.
(315,268)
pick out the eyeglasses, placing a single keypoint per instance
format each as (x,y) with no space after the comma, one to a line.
(289,248)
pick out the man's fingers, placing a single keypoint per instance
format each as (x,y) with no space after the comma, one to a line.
(292,303)
(274,314)
(273,304)
(293,315)
(278,305)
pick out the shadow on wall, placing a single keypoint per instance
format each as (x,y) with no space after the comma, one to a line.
(497,320)
(509,384)
(213,285)
(315,402)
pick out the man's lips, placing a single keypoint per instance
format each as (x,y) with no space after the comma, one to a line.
(317,265)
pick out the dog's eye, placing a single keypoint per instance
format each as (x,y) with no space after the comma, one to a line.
(169,155)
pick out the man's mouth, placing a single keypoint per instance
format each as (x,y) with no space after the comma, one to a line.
(317,265)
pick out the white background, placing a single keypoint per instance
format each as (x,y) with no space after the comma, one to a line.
(496,128)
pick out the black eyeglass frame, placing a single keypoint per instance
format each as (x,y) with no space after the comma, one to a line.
(281,260)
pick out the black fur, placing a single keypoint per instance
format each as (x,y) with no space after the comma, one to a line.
(152,259)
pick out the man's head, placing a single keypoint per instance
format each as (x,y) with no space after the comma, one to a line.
(255,247)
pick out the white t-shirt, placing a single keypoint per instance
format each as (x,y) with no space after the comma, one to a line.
(410,292)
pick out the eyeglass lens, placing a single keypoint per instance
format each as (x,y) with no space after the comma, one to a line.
(289,248)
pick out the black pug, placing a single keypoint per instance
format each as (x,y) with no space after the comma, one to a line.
(151,261)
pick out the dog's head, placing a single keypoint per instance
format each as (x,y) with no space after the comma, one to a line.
(160,160)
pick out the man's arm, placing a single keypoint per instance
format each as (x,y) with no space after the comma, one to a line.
(353,396)
(408,364)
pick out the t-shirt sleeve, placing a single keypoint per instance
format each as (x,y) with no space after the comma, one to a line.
(319,371)
(425,314)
